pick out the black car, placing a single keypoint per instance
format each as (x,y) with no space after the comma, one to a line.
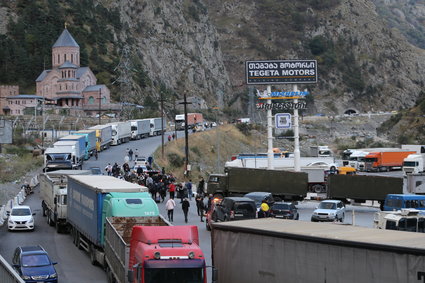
(258,197)
(34,265)
(234,208)
(286,210)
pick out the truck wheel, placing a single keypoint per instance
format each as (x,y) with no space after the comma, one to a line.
(92,255)
(317,188)
(58,228)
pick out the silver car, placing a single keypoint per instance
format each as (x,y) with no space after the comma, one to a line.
(329,210)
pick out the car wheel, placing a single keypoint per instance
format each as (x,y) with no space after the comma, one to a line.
(313,220)
(297,217)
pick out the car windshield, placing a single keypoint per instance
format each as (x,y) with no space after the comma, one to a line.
(281,206)
(244,206)
(257,198)
(21,211)
(35,260)
(327,205)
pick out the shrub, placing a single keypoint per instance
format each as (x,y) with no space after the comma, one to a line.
(175,159)
(244,128)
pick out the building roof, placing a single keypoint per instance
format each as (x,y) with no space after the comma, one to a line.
(25,96)
(68,64)
(93,88)
(81,71)
(66,39)
(69,96)
(43,75)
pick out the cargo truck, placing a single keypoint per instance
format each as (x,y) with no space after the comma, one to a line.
(153,251)
(53,192)
(140,129)
(77,152)
(320,151)
(121,132)
(409,220)
(238,181)
(385,160)
(155,126)
(64,157)
(103,136)
(414,164)
(275,250)
(93,198)
(192,120)
(90,136)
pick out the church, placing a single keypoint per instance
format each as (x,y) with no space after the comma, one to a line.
(70,86)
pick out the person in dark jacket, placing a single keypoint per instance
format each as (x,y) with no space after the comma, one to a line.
(185,207)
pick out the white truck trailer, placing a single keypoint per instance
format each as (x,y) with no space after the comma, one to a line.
(140,129)
(121,132)
(275,250)
(103,136)
(155,126)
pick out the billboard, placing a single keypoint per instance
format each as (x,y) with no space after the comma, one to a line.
(281,72)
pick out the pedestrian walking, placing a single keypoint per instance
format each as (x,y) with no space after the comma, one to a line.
(150,160)
(96,154)
(202,208)
(127,151)
(136,154)
(200,189)
(169,138)
(174,136)
(169,206)
(185,207)
(130,154)
(180,192)
(171,189)
(108,169)
(189,189)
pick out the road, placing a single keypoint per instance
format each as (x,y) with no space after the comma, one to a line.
(61,249)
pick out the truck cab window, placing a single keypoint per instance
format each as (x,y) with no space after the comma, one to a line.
(391,225)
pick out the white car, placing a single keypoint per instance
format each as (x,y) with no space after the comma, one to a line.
(329,210)
(140,161)
(21,218)
(322,164)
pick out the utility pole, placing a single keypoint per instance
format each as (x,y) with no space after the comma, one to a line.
(186,133)
(100,101)
(162,124)
(175,126)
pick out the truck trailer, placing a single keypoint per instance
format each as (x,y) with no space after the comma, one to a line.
(192,120)
(238,181)
(385,160)
(275,250)
(90,136)
(153,251)
(140,129)
(103,136)
(53,193)
(93,198)
(155,126)
(121,132)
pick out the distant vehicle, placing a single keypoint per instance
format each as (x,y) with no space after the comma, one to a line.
(145,169)
(21,218)
(258,197)
(285,210)
(385,161)
(320,151)
(34,265)
(409,219)
(234,208)
(213,124)
(329,210)
(96,171)
(399,201)
(140,161)
(193,119)
(208,218)
(322,164)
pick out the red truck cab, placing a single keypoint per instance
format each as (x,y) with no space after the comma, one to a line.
(166,254)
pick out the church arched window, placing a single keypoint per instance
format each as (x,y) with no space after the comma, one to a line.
(91,100)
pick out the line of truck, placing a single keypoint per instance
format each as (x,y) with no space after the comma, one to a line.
(118,224)
(70,151)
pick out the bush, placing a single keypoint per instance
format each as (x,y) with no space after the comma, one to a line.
(244,128)
(175,159)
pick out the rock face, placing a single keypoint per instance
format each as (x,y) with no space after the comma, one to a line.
(201,46)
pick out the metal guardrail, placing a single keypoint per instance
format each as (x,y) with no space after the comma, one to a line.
(8,274)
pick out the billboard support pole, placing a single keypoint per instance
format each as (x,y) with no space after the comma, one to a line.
(269,131)
(297,167)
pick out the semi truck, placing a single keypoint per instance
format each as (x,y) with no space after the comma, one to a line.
(238,181)
(90,136)
(155,126)
(414,164)
(409,220)
(281,163)
(140,129)
(121,132)
(93,198)
(192,120)
(103,136)
(418,148)
(150,250)
(320,151)
(64,157)
(275,250)
(74,147)
(385,160)
(53,192)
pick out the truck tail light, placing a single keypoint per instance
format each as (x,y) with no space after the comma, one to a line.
(232,214)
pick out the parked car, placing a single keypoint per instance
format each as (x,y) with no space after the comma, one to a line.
(21,218)
(329,210)
(211,208)
(141,160)
(34,265)
(258,197)
(285,210)
(234,208)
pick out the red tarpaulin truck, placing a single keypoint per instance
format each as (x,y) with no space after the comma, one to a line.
(385,161)
(192,120)
(149,250)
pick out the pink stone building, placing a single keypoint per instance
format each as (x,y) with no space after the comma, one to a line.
(71,86)
(5,92)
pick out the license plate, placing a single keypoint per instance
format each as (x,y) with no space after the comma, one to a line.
(279,216)
(238,214)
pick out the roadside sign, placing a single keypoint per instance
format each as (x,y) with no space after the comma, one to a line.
(281,72)
(283,121)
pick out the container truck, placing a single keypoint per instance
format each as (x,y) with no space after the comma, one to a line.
(275,250)
(93,198)
(153,251)
(53,192)
(155,126)
(90,136)
(414,164)
(192,120)
(76,149)
(121,132)
(81,142)
(56,158)
(279,163)
(237,181)
(409,220)
(140,129)
(103,136)
(385,160)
